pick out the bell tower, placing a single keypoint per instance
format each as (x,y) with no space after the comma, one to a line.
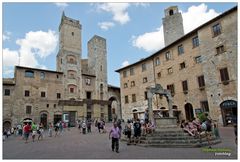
(172,25)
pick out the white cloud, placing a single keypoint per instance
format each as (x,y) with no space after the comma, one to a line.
(10,58)
(62,6)
(151,41)
(194,17)
(35,45)
(119,11)
(106,25)
(125,63)
(39,43)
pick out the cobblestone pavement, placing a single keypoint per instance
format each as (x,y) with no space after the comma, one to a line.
(74,145)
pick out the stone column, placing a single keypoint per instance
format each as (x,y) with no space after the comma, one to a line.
(150,110)
(169,99)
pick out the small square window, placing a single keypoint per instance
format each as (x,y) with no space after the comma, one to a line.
(7,92)
(27,93)
(43,94)
(220,49)
(168,56)
(180,49)
(28,109)
(182,65)
(216,30)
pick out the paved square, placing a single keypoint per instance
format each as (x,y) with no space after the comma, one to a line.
(73,145)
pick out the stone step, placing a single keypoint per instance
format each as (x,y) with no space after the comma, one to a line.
(179,145)
(168,135)
(174,141)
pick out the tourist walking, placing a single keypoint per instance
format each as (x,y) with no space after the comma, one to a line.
(116,135)
(34,131)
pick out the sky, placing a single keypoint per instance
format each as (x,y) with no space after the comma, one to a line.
(132,30)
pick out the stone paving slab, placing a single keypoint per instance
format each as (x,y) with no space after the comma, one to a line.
(74,145)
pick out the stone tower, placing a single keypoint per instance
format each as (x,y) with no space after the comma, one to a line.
(97,61)
(69,56)
(172,25)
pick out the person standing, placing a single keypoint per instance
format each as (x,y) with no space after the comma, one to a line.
(50,128)
(128,132)
(34,131)
(146,116)
(89,124)
(116,135)
(26,129)
(40,131)
(84,127)
(137,130)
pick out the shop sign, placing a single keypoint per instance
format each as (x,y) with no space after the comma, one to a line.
(228,104)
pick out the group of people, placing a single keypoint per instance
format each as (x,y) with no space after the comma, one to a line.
(33,130)
(200,129)
(85,127)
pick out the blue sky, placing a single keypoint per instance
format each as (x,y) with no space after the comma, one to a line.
(132,30)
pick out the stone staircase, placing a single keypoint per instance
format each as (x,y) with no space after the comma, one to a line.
(174,137)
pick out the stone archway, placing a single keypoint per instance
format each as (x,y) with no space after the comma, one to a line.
(7,125)
(43,119)
(189,111)
(229,112)
(113,111)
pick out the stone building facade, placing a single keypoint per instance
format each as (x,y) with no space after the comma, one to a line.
(77,90)
(199,68)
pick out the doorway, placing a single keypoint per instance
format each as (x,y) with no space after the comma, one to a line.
(189,111)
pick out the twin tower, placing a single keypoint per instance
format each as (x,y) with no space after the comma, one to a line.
(83,78)
(87,78)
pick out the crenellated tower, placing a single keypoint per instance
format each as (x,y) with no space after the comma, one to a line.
(69,56)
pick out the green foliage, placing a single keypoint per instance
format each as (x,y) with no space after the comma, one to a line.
(202,117)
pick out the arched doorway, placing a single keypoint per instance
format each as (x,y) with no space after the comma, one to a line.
(229,112)
(135,114)
(43,119)
(113,113)
(6,125)
(189,111)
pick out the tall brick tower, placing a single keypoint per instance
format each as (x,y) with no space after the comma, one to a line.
(97,61)
(172,25)
(69,56)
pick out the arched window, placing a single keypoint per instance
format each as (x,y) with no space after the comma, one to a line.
(29,73)
(170,12)
(71,59)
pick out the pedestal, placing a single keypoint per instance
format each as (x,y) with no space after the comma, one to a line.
(166,122)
